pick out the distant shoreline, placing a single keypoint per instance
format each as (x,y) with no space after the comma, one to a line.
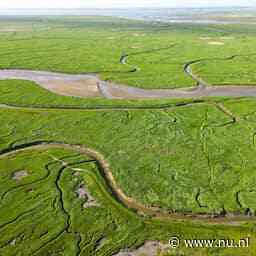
(84,11)
(192,15)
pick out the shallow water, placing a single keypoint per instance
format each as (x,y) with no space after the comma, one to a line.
(89,83)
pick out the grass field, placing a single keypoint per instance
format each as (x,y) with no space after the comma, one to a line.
(166,135)
(92,44)
(44,216)
(193,157)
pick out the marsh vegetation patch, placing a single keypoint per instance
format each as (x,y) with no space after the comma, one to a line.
(144,142)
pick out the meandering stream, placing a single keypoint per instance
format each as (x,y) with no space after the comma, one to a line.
(89,85)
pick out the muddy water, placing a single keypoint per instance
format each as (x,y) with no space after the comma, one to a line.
(90,86)
(39,76)
(64,84)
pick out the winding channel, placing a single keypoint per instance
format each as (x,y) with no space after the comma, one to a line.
(91,86)
(116,191)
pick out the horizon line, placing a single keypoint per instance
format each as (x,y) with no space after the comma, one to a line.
(136,7)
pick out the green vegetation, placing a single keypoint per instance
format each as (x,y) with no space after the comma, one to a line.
(160,51)
(43,214)
(195,158)
(159,175)
(239,70)
(53,218)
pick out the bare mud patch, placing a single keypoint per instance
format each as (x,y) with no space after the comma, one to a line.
(79,88)
(84,85)
(227,38)
(150,248)
(8,30)
(83,193)
(19,175)
(138,35)
(205,38)
(216,43)
(13,242)
(135,47)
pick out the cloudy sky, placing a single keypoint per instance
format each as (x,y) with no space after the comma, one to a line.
(120,3)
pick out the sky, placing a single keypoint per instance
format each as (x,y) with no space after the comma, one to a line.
(4,4)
